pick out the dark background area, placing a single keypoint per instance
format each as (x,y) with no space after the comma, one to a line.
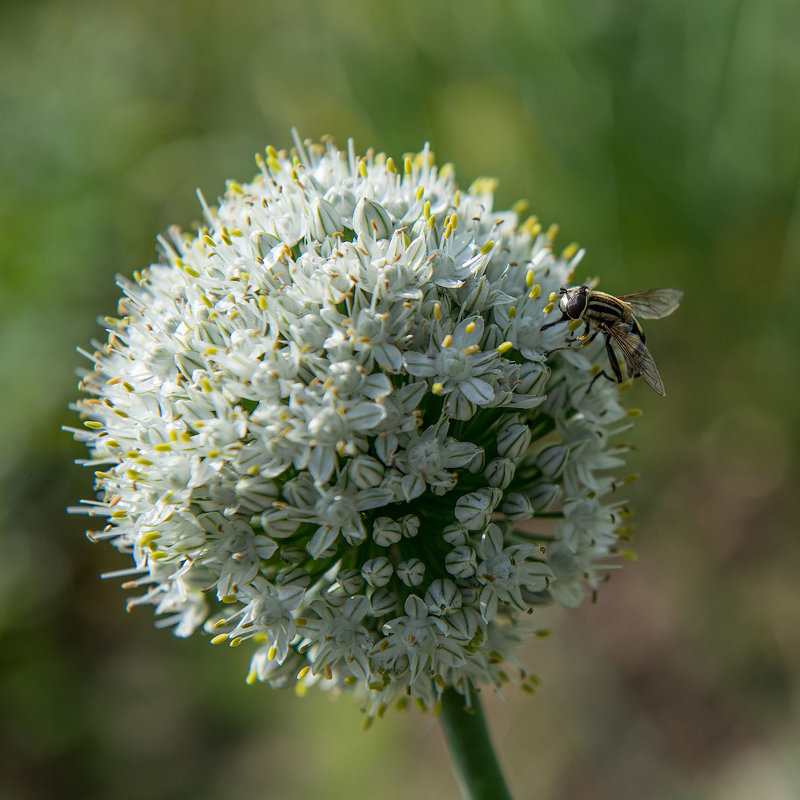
(663,136)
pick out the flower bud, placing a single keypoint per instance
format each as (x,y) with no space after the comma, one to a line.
(377,572)
(371,220)
(513,440)
(455,534)
(365,471)
(500,472)
(473,510)
(410,524)
(545,496)
(381,601)
(386,531)
(350,580)
(551,460)
(517,506)
(411,572)
(324,220)
(460,562)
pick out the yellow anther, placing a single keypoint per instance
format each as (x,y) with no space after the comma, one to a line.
(420,191)
(208,240)
(93,424)
(548,308)
(437,312)
(535,291)
(228,598)
(457,198)
(262,302)
(426,209)
(552,232)
(273,651)
(251,678)
(390,167)
(503,348)
(552,297)
(471,350)
(529,278)
(362,168)
(163,447)
(205,385)
(303,672)
(569,251)
(520,207)
(407,167)
(437,388)
(470,327)
(512,312)
(148,538)
(191,272)
(447,341)
(271,151)
(210,351)
(628,555)
(219,638)
(487,247)
(635,412)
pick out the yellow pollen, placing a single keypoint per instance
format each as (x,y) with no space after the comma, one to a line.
(219,638)
(437,388)
(447,341)
(535,291)
(569,251)
(504,348)
(470,327)
(529,278)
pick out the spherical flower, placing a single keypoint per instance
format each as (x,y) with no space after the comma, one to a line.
(321,423)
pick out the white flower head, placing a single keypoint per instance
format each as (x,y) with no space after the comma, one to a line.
(317,420)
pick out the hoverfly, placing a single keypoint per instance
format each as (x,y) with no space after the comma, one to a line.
(615,318)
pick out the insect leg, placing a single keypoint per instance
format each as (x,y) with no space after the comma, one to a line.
(612,359)
(564,318)
(573,347)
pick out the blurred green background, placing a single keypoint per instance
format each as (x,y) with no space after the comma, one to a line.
(663,136)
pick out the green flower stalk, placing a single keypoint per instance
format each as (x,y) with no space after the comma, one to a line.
(326,426)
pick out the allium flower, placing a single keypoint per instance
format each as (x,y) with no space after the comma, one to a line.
(321,422)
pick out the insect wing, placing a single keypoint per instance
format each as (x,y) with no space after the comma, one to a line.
(637,357)
(653,303)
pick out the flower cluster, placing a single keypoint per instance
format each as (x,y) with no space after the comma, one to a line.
(327,424)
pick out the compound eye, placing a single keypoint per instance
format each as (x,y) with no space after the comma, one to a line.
(576,303)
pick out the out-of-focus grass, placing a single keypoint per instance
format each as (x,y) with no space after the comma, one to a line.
(661,135)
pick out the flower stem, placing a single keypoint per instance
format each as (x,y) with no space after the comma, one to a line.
(475,763)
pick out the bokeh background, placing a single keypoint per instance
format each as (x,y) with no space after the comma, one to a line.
(664,136)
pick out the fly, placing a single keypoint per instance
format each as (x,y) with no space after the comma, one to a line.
(616,318)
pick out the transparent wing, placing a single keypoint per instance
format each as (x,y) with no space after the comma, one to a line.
(637,357)
(653,303)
